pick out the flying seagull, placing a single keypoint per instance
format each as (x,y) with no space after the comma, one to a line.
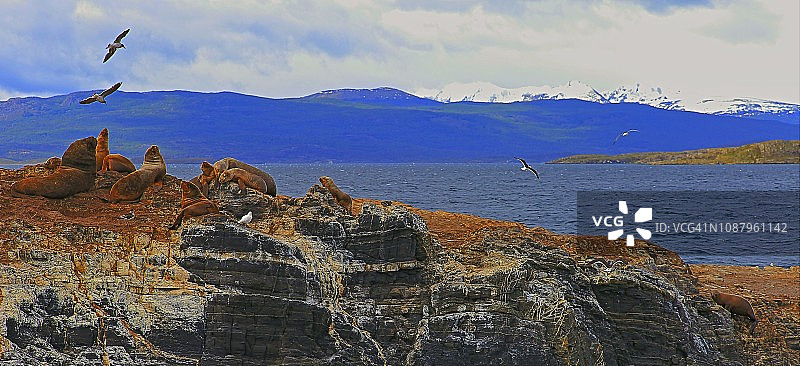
(626,133)
(246,218)
(128,216)
(102,96)
(525,166)
(112,47)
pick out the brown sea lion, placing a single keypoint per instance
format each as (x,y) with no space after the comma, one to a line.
(53,163)
(204,179)
(196,182)
(117,163)
(229,163)
(132,186)
(102,149)
(75,174)
(244,178)
(193,204)
(736,305)
(208,169)
(190,194)
(343,199)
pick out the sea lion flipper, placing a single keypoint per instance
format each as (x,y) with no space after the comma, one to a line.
(178,221)
(242,185)
(103,166)
(16,194)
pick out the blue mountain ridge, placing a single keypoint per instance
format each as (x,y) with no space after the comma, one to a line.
(360,125)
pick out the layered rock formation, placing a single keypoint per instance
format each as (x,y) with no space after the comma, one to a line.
(308,283)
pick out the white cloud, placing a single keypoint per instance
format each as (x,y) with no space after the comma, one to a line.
(279,49)
(86,10)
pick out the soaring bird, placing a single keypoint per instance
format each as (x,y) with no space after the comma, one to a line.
(102,96)
(626,133)
(246,218)
(112,47)
(525,166)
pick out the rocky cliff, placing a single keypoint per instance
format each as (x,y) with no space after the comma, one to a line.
(308,283)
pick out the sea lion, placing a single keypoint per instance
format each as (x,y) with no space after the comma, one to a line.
(204,179)
(736,305)
(102,149)
(52,163)
(229,163)
(244,178)
(196,182)
(190,194)
(75,174)
(343,199)
(132,186)
(193,204)
(117,163)
(208,169)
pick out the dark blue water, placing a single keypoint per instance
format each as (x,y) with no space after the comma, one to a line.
(503,191)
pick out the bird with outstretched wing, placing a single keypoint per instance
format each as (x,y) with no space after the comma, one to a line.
(525,166)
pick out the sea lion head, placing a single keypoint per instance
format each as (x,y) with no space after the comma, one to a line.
(102,140)
(81,155)
(225,176)
(326,181)
(207,168)
(715,297)
(153,154)
(189,190)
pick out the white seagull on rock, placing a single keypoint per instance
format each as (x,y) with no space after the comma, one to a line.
(112,47)
(246,218)
(626,133)
(102,96)
(525,166)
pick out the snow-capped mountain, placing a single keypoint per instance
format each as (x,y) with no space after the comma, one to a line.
(488,92)
(655,96)
(651,95)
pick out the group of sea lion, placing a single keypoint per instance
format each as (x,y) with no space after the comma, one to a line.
(76,170)
(194,201)
(231,170)
(246,175)
(193,204)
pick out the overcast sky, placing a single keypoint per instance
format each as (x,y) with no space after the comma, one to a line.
(293,48)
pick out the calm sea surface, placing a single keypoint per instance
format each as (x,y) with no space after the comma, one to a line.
(503,191)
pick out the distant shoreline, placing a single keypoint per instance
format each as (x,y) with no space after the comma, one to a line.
(767,152)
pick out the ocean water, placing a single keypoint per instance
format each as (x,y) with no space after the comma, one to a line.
(503,191)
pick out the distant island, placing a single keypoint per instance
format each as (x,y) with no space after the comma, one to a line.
(767,152)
